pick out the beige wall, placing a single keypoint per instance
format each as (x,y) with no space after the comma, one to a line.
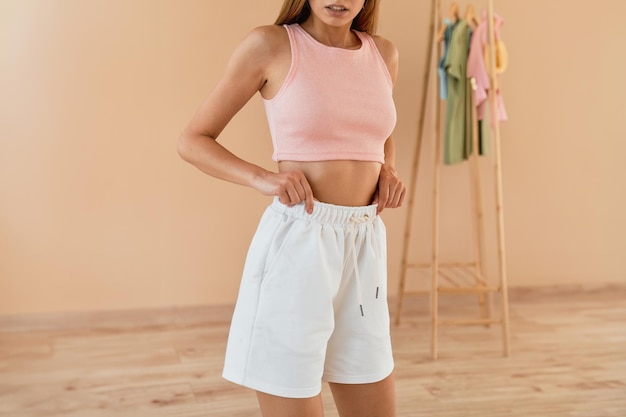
(97,211)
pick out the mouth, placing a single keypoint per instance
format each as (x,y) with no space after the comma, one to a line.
(337,8)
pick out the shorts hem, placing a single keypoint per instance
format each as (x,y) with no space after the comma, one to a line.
(358,379)
(271,389)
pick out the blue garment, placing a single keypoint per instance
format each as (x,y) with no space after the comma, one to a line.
(443,76)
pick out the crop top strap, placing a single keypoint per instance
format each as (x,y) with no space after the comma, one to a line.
(368,41)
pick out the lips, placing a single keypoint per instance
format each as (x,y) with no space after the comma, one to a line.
(337,8)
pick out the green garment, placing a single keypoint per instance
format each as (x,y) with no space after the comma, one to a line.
(458,113)
(459,131)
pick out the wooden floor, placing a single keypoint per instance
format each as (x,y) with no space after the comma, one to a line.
(568,359)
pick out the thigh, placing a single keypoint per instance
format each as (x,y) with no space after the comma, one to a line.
(273,406)
(366,400)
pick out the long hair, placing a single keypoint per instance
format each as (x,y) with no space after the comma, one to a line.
(297,11)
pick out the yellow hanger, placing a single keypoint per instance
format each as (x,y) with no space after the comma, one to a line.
(502,57)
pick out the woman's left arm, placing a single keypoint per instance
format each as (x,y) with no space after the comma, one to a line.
(391,191)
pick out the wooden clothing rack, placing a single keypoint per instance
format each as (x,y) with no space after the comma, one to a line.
(459,277)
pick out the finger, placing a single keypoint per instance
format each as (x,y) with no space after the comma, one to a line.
(308,196)
(380,208)
(375,197)
(397,194)
(300,191)
(397,197)
(402,197)
(383,196)
(294,198)
(284,198)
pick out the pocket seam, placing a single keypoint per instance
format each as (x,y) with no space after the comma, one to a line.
(269,266)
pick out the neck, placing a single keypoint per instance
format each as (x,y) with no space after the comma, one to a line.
(335,36)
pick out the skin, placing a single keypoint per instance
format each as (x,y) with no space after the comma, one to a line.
(260,64)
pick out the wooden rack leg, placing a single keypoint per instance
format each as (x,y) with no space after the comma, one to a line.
(434,290)
(499,199)
(478,218)
(414,170)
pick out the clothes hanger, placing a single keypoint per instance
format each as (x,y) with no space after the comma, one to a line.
(453,15)
(470,16)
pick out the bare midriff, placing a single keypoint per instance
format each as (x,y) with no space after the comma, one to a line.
(343,183)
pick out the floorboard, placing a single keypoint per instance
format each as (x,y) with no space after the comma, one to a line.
(568,359)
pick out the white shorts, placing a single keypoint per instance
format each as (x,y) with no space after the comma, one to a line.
(312,304)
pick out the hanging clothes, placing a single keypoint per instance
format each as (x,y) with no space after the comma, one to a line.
(477,69)
(443,77)
(480,130)
(458,130)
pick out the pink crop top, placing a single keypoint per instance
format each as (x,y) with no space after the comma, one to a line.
(334,103)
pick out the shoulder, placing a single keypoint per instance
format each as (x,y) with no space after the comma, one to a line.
(269,34)
(265,42)
(387,49)
(389,52)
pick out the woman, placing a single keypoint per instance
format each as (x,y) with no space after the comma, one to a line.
(312,302)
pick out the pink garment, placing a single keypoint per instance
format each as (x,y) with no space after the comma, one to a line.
(334,104)
(476,67)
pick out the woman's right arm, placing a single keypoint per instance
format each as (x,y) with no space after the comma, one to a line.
(246,73)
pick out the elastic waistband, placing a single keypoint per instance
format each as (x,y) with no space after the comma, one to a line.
(325,213)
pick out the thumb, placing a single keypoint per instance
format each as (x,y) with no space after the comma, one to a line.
(375,197)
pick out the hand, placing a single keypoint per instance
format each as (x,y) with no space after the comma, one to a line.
(291,187)
(390,191)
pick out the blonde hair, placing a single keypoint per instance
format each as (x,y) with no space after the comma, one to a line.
(297,11)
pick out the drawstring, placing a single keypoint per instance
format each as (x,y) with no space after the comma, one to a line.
(353,222)
(362,226)
(379,276)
